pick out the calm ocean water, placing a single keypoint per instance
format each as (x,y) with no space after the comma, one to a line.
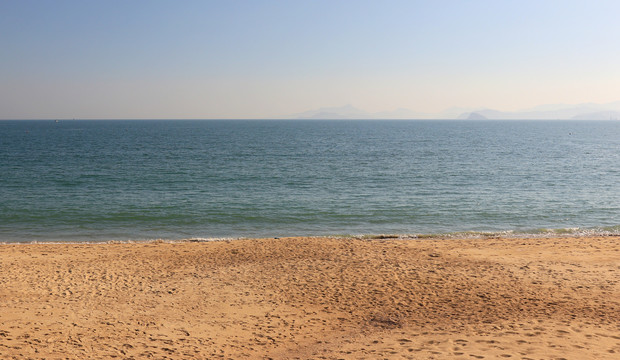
(137,180)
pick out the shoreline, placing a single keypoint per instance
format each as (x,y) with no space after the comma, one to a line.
(314,297)
(575,232)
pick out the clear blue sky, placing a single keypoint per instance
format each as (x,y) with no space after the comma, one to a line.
(256,59)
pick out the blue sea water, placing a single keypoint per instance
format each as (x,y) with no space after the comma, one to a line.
(178,179)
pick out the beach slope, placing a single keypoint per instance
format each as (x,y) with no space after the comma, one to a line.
(323,298)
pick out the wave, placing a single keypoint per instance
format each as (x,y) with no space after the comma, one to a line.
(530,233)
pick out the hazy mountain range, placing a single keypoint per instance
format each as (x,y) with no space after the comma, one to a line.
(586,111)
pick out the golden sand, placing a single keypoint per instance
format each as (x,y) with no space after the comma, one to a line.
(313,298)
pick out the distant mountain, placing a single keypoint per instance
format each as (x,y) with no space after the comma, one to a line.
(586,111)
(342,112)
(482,114)
(452,113)
(601,115)
(595,107)
(326,115)
(401,113)
(351,112)
(476,116)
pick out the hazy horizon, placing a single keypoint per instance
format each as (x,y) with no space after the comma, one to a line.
(267,59)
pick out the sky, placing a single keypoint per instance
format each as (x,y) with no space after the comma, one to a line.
(259,59)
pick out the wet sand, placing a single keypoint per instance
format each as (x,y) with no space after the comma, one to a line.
(313,298)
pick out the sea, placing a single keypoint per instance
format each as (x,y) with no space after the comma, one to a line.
(136,180)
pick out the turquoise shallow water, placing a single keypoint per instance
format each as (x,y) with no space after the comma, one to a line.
(177,179)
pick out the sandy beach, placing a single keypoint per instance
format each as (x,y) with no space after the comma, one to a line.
(313,298)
